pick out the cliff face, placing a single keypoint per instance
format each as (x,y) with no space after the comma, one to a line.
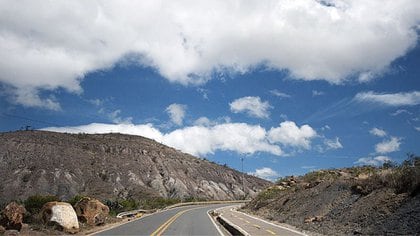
(109,166)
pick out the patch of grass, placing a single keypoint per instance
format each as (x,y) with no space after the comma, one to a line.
(75,199)
(33,204)
(121,205)
(320,175)
(267,194)
(158,203)
(358,170)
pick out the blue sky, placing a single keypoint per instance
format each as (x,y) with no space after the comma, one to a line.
(288,86)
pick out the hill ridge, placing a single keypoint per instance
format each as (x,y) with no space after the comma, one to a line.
(110,166)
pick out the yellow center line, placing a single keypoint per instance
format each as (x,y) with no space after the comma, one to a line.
(271,232)
(159,231)
(257,226)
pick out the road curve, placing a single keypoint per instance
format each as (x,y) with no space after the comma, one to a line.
(188,220)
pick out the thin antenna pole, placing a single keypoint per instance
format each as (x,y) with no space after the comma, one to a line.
(243,177)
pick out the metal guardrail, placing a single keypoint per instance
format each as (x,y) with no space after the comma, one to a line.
(133,212)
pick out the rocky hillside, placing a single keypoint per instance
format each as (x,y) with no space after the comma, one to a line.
(359,200)
(111,166)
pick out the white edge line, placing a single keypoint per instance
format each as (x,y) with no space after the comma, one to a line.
(279,226)
(214,223)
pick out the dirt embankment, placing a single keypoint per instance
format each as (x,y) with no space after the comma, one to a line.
(359,200)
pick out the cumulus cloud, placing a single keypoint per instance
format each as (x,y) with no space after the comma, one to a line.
(390,99)
(417,128)
(266,173)
(288,133)
(253,106)
(201,140)
(196,140)
(373,161)
(177,113)
(388,146)
(378,132)
(56,44)
(333,143)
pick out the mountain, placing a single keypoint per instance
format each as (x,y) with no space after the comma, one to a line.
(111,166)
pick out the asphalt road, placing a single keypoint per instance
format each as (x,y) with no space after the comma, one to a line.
(252,225)
(188,220)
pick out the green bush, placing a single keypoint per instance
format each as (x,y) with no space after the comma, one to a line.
(129,204)
(158,203)
(33,204)
(75,199)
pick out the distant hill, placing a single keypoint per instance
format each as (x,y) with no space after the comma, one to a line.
(358,200)
(111,166)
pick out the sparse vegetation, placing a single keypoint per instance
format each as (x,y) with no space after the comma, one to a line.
(75,199)
(117,206)
(404,178)
(268,193)
(320,175)
(33,204)
(358,200)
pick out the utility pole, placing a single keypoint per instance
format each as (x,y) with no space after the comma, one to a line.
(243,177)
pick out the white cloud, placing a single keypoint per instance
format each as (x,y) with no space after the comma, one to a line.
(29,97)
(333,143)
(116,118)
(288,133)
(201,140)
(417,128)
(204,93)
(373,161)
(56,44)
(377,132)
(390,99)
(401,111)
(266,173)
(317,93)
(239,137)
(203,121)
(146,130)
(277,93)
(388,146)
(176,112)
(97,102)
(325,127)
(196,140)
(253,106)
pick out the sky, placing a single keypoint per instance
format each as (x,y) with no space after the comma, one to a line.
(285,86)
